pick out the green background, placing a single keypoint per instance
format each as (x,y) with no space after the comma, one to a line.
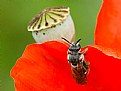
(14,17)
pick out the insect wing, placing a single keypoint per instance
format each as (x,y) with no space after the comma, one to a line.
(79,76)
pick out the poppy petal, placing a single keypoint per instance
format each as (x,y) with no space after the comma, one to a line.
(44,67)
(104,72)
(108,29)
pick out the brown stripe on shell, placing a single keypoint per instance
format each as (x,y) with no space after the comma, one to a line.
(56,10)
(31,23)
(46,23)
(60,15)
(40,23)
(55,20)
(34,19)
(34,24)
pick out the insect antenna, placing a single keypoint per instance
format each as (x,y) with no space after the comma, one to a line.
(66,40)
(78,41)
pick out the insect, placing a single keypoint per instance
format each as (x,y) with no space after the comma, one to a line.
(49,17)
(79,66)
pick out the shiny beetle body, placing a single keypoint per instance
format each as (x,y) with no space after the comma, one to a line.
(77,62)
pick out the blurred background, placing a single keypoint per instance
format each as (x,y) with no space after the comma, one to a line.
(14,17)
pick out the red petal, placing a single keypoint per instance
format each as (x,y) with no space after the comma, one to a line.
(104,72)
(44,67)
(108,30)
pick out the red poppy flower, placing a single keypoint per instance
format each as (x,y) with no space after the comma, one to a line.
(44,67)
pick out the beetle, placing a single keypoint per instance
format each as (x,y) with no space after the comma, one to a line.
(76,59)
